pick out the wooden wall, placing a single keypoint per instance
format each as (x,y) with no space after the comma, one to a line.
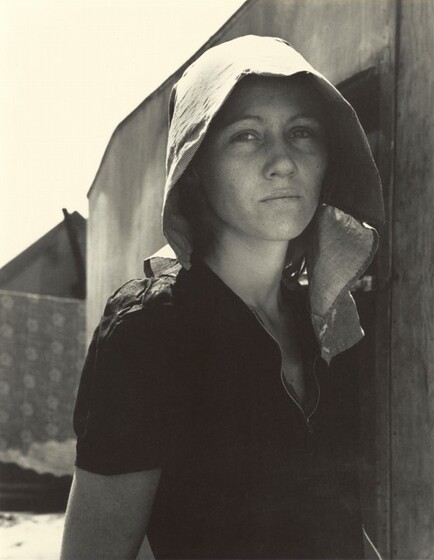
(412,309)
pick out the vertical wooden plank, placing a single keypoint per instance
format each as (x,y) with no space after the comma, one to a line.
(375,311)
(382,370)
(375,314)
(412,289)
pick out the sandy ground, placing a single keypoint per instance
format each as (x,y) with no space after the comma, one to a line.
(27,536)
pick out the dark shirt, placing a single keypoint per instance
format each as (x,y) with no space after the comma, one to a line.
(182,376)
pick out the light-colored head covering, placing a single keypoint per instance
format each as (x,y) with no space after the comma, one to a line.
(344,241)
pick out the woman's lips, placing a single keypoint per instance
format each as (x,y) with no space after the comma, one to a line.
(289,197)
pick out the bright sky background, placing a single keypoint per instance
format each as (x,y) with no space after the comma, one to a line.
(70,71)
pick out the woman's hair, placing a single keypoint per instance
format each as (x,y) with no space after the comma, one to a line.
(193,206)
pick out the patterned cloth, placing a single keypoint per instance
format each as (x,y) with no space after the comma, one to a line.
(42,349)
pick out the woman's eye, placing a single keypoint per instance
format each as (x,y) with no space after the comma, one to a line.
(301,133)
(244,137)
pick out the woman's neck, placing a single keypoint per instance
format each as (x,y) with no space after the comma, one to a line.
(252,269)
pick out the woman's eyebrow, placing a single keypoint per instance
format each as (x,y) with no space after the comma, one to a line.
(226,123)
(238,119)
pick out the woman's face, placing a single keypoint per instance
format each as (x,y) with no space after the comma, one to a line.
(264,158)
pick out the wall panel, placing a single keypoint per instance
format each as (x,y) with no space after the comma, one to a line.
(412,350)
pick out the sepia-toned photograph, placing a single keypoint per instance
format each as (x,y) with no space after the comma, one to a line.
(217,280)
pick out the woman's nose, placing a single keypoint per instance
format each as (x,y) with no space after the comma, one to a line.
(280,162)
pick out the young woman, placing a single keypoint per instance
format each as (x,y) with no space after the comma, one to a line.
(217,411)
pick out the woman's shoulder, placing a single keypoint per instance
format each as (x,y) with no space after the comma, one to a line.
(128,382)
(146,299)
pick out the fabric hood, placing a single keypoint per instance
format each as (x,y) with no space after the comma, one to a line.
(344,240)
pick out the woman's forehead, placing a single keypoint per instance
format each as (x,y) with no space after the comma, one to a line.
(254,92)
